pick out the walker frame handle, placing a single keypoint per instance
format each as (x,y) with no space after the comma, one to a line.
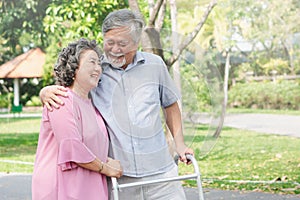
(196,175)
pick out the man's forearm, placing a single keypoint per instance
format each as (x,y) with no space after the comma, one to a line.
(174,123)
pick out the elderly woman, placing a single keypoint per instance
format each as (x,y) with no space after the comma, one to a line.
(71,158)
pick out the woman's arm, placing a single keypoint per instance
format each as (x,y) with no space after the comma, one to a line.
(111,168)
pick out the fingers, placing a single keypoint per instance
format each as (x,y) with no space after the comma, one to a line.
(48,106)
(114,168)
(183,157)
(50,96)
(55,101)
(60,90)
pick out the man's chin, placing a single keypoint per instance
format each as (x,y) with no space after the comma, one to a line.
(117,65)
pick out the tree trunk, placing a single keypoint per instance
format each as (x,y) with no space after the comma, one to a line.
(225,88)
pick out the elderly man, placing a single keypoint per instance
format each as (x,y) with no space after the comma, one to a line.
(134,87)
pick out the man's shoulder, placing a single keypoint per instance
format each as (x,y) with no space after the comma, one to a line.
(149,56)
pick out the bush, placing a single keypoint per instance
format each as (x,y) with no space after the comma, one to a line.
(34,101)
(265,95)
(5,100)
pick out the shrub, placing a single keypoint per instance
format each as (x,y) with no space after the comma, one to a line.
(265,95)
(5,100)
(34,101)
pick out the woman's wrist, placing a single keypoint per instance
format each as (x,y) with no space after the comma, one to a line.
(101,167)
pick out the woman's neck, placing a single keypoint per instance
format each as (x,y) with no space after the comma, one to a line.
(80,92)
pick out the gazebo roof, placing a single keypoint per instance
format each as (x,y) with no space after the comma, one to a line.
(27,65)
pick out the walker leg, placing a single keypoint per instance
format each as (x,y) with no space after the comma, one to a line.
(115,188)
(200,190)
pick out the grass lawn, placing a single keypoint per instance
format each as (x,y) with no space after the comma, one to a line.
(240,159)
(18,141)
(248,160)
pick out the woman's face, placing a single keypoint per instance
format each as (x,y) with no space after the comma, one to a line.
(89,70)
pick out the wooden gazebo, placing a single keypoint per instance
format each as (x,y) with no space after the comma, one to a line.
(27,65)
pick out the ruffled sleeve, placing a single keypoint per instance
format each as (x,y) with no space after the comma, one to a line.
(73,150)
(66,126)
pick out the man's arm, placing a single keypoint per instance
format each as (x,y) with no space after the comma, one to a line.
(48,96)
(173,120)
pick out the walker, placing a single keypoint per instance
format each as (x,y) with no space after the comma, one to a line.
(196,175)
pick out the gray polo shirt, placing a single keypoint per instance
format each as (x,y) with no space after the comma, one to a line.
(130,101)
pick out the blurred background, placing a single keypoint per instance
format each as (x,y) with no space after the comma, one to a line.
(260,40)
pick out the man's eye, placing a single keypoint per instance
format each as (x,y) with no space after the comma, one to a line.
(110,43)
(123,44)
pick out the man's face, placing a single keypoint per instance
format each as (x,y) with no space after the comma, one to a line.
(119,47)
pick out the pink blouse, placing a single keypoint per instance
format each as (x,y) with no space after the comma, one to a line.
(74,133)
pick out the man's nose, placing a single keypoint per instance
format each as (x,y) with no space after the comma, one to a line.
(116,48)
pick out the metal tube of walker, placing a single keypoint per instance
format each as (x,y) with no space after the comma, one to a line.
(196,175)
(197,171)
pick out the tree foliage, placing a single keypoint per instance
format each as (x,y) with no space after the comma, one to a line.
(48,24)
(71,20)
(66,21)
(266,28)
(21,25)
(257,32)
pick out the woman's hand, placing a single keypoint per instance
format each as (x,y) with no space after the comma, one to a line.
(49,96)
(112,168)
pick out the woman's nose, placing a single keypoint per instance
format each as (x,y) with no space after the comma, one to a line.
(99,68)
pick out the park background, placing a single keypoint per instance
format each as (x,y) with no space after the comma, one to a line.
(226,55)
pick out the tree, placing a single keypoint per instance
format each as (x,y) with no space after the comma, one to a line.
(152,41)
(21,24)
(154,25)
(66,21)
(48,24)
(269,26)
(21,29)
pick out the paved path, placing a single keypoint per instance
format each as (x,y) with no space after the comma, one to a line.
(18,186)
(265,123)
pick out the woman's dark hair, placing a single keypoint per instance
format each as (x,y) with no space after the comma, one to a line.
(68,60)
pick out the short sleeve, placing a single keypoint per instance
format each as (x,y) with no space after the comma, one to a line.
(65,123)
(169,93)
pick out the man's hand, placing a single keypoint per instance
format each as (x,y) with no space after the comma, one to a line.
(182,150)
(49,95)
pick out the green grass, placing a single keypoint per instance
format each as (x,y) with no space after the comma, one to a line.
(18,141)
(249,160)
(240,159)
